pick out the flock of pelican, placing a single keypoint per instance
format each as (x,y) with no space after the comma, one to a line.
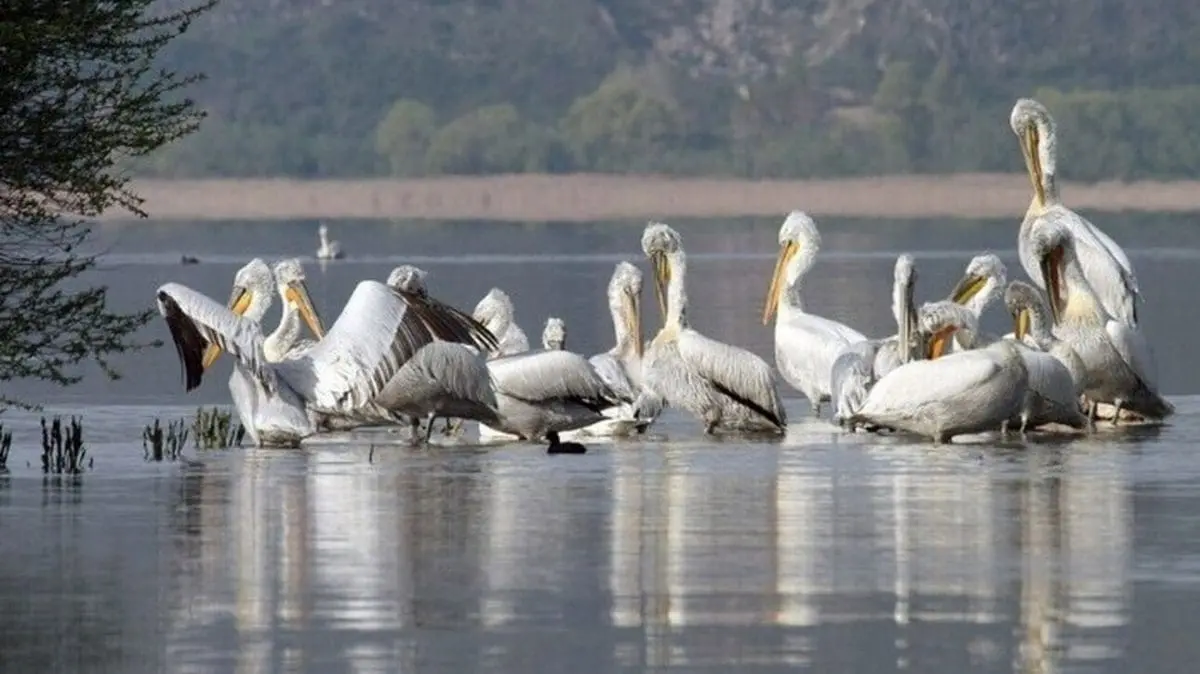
(398,356)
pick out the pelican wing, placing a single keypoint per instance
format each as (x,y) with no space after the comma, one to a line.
(539,376)
(613,373)
(376,333)
(910,388)
(1048,377)
(447,323)
(734,371)
(811,343)
(455,370)
(195,321)
(1134,350)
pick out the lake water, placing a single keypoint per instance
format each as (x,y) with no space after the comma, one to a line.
(825,551)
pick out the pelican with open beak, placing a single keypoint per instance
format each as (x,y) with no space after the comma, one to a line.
(806,345)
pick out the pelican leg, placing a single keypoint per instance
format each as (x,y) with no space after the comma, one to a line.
(1024,422)
(1004,428)
(414,435)
(1117,411)
(429,429)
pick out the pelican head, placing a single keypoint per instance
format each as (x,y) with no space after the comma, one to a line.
(625,301)
(662,245)
(943,321)
(798,236)
(1035,128)
(250,298)
(984,271)
(1024,303)
(904,304)
(554,336)
(290,278)
(495,311)
(1053,247)
(323,230)
(409,279)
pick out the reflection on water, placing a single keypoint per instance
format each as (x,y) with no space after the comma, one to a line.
(866,557)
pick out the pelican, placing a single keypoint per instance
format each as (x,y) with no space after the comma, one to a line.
(946,323)
(1102,262)
(375,333)
(850,378)
(445,378)
(892,352)
(1056,373)
(542,391)
(728,388)
(982,284)
(621,366)
(328,250)
(290,282)
(805,344)
(1119,363)
(964,392)
(496,312)
(554,335)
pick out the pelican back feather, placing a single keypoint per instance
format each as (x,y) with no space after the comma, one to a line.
(444,368)
(735,372)
(540,376)
(195,321)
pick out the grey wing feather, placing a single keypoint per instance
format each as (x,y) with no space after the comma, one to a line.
(443,367)
(734,371)
(538,376)
(447,323)
(613,373)
(376,333)
(195,321)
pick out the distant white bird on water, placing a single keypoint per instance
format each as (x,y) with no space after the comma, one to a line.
(328,250)
(806,345)
(726,387)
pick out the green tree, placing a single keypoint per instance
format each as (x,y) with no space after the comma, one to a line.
(621,127)
(79,94)
(492,139)
(403,136)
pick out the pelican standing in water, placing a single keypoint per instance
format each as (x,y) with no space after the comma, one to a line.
(1102,262)
(554,335)
(805,344)
(1056,373)
(328,250)
(375,333)
(621,366)
(726,387)
(446,378)
(1118,360)
(496,312)
(964,392)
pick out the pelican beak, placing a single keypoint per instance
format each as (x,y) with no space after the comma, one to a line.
(908,326)
(1051,266)
(967,288)
(786,252)
(1021,324)
(633,319)
(239,303)
(1030,141)
(939,341)
(662,277)
(297,294)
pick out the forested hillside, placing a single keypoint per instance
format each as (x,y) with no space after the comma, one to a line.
(781,88)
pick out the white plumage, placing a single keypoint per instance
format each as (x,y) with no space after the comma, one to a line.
(496,312)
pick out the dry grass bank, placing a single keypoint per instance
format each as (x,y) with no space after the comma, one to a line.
(603,197)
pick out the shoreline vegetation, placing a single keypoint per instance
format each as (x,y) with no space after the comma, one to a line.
(592,197)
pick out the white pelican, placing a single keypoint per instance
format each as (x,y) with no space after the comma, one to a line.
(850,378)
(1103,263)
(892,352)
(328,250)
(727,387)
(554,335)
(945,324)
(982,283)
(496,312)
(805,344)
(375,333)
(1056,373)
(285,340)
(447,378)
(964,392)
(621,366)
(1120,365)
(542,391)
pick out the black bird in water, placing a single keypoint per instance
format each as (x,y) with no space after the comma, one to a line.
(557,447)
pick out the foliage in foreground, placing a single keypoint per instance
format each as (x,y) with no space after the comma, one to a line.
(80,94)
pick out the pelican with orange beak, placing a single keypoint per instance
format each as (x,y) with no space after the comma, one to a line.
(806,345)
(1103,263)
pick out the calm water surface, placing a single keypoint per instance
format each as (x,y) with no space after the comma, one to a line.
(823,551)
